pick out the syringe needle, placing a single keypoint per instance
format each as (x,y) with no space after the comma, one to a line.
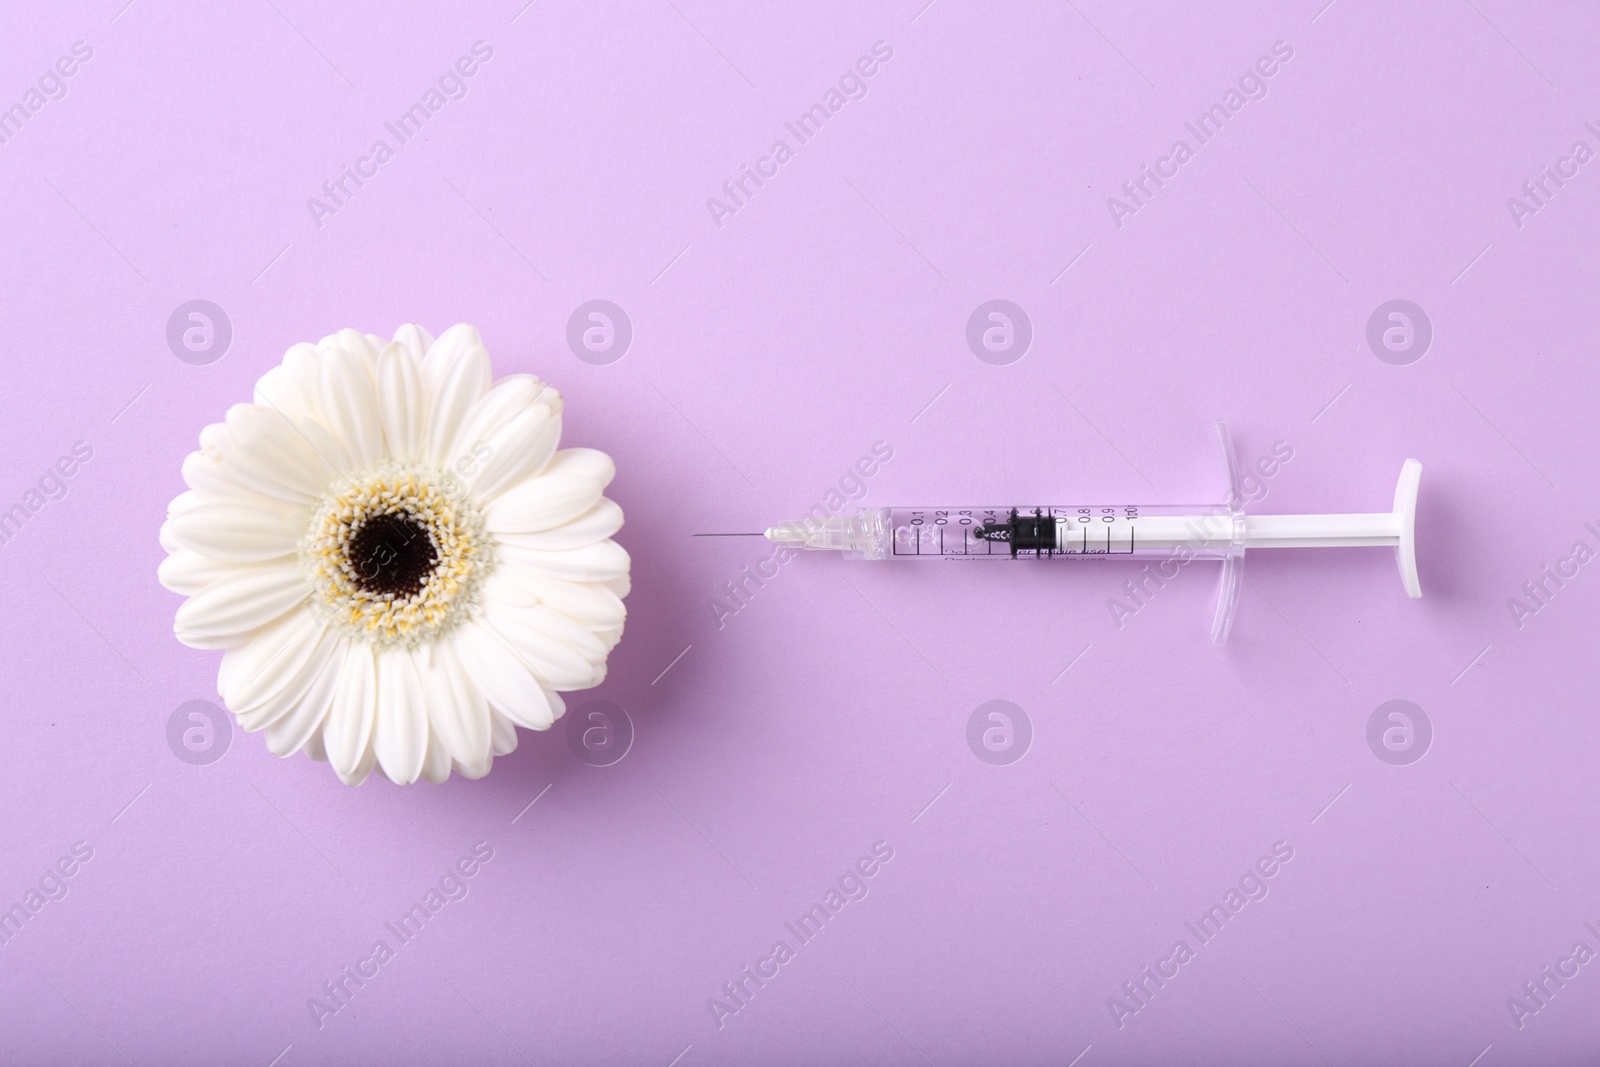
(729,535)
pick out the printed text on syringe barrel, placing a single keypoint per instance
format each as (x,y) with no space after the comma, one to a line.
(1015,532)
(1076,531)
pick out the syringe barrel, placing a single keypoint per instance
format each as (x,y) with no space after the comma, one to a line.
(1012,532)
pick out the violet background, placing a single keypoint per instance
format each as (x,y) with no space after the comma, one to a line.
(769,355)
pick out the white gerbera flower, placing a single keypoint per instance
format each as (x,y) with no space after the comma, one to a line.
(400,565)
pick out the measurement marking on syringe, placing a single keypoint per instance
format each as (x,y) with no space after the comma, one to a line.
(1036,533)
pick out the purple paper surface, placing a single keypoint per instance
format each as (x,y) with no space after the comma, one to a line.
(1432,875)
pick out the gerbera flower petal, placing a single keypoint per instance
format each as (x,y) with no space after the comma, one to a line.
(184,502)
(400,734)
(455,386)
(564,631)
(596,524)
(414,339)
(243,678)
(348,732)
(505,678)
(518,450)
(543,649)
(568,487)
(458,713)
(369,762)
(300,727)
(436,763)
(205,476)
(269,454)
(328,448)
(237,475)
(502,734)
(511,396)
(186,573)
(285,680)
(403,401)
(445,350)
(479,770)
(230,609)
(592,563)
(364,346)
(239,532)
(180,503)
(349,403)
(589,603)
(291,386)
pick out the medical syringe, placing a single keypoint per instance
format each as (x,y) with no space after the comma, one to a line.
(1101,532)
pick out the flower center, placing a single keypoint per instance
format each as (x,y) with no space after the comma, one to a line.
(391,553)
(395,554)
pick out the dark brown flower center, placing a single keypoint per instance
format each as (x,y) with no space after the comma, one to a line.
(391,554)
